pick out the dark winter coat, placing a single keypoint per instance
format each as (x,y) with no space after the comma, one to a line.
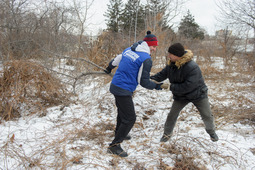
(186,78)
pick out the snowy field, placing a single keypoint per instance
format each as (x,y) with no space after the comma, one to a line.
(76,136)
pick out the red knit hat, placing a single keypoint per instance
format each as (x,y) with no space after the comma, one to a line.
(151,39)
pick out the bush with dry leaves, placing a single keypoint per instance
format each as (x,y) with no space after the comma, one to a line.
(28,85)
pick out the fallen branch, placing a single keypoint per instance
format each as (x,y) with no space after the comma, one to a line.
(73,58)
(83,74)
(86,74)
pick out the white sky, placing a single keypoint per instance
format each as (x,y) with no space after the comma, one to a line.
(204,12)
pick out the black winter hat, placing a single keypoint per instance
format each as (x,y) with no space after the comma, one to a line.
(176,49)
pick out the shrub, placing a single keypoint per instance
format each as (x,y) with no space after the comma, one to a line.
(28,85)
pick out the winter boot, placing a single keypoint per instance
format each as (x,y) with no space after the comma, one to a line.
(128,137)
(165,138)
(213,135)
(117,150)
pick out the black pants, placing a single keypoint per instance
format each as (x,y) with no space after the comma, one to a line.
(125,119)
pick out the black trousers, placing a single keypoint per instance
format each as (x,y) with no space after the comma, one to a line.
(125,119)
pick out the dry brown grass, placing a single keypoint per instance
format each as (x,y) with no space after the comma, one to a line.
(236,82)
(26,84)
(183,156)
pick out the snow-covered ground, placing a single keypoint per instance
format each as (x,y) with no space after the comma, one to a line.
(76,136)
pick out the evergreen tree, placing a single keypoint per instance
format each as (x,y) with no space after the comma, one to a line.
(189,28)
(133,17)
(113,15)
(156,14)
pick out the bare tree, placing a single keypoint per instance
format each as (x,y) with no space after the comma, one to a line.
(138,2)
(26,27)
(238,14)
(228,45)
(162,12)
(30,28)
(81,9)
(12,26)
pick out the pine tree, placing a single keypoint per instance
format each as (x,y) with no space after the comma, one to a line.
(189,28)
(156,14)
(113,15)
(133,17)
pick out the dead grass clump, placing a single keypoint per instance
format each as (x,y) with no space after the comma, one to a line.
(28,85)
(139,166)
(210,72)
(164,166)
(229,115)
(185,163)
(97,133)
(184,158)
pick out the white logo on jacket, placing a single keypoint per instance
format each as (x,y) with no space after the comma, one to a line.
(130,54)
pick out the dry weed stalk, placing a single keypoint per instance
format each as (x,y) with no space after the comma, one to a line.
(184,157)
(188,156)
(26,84)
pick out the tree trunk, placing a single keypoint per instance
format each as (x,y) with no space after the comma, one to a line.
(254,42)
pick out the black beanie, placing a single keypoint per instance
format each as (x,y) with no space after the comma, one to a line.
(176,49)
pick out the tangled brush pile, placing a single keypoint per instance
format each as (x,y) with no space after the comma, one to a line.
(28,85)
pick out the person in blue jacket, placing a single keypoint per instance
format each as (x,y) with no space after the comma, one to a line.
(134,66)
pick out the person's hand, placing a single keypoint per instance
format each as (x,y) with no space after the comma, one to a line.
(158,86)
(108,70)
(161,86)
(165,86)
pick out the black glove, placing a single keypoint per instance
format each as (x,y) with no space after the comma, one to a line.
(162,86)
(158,86)
(108,70)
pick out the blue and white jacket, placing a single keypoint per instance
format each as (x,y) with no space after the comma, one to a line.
(134,66)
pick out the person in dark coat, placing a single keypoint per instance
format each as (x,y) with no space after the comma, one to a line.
(187,85)
(134,66)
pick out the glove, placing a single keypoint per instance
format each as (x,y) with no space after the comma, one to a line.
(165,86)
(108,70)
(158,86)
(161,86)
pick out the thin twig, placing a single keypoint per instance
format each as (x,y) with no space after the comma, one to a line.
(73,58)
(88,73)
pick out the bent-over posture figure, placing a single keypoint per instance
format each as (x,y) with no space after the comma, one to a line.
(187,85)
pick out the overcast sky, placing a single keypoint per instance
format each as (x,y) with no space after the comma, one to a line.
(204,12)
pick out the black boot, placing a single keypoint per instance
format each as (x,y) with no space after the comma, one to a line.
(165,138)
(128,137)
(213,135)
(117,150)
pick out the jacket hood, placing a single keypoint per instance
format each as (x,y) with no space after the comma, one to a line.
(188,56)
(141,46)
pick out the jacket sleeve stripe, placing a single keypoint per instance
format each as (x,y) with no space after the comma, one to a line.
(140,74)
(116,60)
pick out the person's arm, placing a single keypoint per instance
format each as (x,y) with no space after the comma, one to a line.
(160,76)
(113,63)
(144,76)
